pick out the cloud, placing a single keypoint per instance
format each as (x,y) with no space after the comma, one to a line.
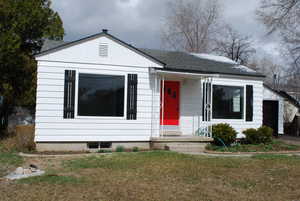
(139,22)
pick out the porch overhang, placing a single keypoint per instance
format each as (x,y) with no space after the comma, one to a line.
(182,74)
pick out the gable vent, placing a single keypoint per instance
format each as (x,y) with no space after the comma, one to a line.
(103,50)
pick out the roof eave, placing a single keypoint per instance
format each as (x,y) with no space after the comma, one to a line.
(219,73)
(69,44)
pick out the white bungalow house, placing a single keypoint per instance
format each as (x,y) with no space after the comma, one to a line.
(100,92)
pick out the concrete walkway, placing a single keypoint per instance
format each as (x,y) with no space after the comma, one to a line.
(290,139)
(242,154)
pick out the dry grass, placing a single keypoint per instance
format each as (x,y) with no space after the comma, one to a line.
(22,139)
(160,176)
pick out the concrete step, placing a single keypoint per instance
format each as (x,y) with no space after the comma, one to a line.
(169,133)
(182,138)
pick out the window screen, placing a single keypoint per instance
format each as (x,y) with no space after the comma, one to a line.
(101,95)
(228,102)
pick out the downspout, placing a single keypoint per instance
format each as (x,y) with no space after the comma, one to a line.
(153,90)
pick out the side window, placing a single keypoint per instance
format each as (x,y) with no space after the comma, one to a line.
(228,102)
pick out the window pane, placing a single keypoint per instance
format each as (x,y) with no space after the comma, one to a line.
(228,102)
(101,95)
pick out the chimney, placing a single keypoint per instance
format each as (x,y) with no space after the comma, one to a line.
(104,30)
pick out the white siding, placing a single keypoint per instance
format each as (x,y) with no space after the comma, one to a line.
(270,95)
(88,52)
(191,105)
(84,57)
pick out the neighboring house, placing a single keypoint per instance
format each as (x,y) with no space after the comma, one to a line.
(291,106)
(291,114)
(281,111)
(101,91)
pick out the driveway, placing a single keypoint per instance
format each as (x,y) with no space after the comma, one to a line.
(290,139)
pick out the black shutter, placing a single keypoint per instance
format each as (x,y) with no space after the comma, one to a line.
(249,103)
(69,94)
(132,96)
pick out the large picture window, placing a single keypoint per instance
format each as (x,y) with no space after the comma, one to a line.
(228,102)
(101,95)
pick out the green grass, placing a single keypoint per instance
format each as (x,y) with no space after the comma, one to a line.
(8,161)
(276,145)
(104,151)
(51,179)
(160,175)
(275,157)
(116,161)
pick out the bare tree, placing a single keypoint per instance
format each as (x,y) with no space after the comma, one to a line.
(233,45)
(273,71)
(191,24)
(283,16)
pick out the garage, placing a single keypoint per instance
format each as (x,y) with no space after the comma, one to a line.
(270,115)
(273,110)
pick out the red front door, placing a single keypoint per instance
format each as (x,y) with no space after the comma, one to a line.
(169,113)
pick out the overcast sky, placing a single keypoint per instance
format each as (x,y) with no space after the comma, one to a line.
(138,22)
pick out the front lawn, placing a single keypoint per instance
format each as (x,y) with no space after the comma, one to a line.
(276,145)
(8,161)
(159,175)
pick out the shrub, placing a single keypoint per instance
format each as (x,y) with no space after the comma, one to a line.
(104,151)
(266,134)
(257,136)
(252,136)
(223,132)
(135,149)
(120,149)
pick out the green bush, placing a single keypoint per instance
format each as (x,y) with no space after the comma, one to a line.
(135,149)
(262,135)
(252,136)
(223,132)
(104,151)
(120,149)
(266,134)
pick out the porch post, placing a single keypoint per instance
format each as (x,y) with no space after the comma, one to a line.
(210,107)
(199,122)
(152,104)
(163,104)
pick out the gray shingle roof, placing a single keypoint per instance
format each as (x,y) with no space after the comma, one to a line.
(182,61)
(179,61)
(51,44)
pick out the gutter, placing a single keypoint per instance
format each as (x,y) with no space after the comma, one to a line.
(168,72)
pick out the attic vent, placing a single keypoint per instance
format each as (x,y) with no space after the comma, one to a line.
(103,50)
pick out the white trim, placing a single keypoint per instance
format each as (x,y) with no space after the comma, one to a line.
(164,72)
(97,73)
(244,103)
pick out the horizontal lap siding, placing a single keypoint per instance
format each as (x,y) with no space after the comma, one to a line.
(50,125)
(190,106)
(191,101)
(241,125)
